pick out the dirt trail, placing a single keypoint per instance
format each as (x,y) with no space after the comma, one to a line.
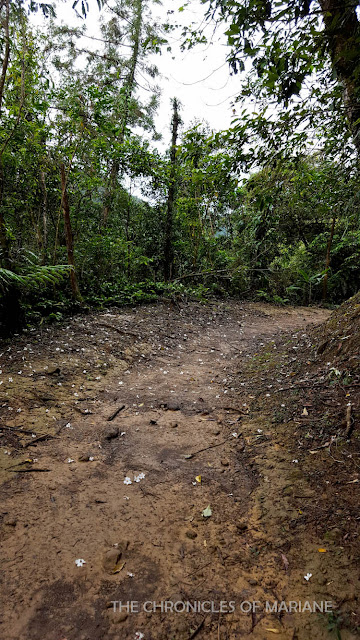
(177,371)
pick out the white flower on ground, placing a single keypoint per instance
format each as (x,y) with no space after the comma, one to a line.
(308,576)
(80,562)
(127,480)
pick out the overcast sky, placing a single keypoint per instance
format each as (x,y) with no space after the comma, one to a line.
(200,78)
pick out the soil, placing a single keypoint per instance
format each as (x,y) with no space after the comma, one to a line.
(186,454)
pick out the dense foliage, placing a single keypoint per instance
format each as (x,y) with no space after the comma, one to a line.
(85,193)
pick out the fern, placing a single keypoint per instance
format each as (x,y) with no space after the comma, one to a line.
(32,276)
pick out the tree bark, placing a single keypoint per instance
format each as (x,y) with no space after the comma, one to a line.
(327,260)
(342,31)
(69,235)
(168,239)
(44,206)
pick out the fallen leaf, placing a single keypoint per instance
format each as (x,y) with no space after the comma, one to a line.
(305,412)
(198,479)
(273,630)
(322,550)
(207,512)
(119,567)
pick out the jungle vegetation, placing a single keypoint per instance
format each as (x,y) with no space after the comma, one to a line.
(93,214)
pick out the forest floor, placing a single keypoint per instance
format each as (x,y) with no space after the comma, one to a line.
(218,406)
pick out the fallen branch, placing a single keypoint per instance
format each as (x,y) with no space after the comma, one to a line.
(200,273)
(113,415)
(17,429)
(27,470)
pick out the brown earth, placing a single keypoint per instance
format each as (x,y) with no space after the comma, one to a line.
(211,406)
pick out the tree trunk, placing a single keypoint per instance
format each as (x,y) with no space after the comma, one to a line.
(110,188)
(69,235)
(168,244)
(327,260)
(44,215)
(342,31)
(5,62)
(129,87)
(4,243)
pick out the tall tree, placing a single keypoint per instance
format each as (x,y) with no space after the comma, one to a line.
(69,237)
(127,94)
(304,54)
(168,236)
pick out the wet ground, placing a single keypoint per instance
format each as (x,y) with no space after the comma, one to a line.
(147,447)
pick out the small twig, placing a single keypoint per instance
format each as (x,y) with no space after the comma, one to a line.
(27,470)
(17,429)
(121,331)
(331,455)
(84,412)
(194,633)
(300,385)
(212,446)
(18,464)
(221,557)
(113,415)
(244,413)
(47,436)
(349,421)
(188,575)
(324,446)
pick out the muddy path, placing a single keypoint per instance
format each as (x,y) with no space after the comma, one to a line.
(185,494)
